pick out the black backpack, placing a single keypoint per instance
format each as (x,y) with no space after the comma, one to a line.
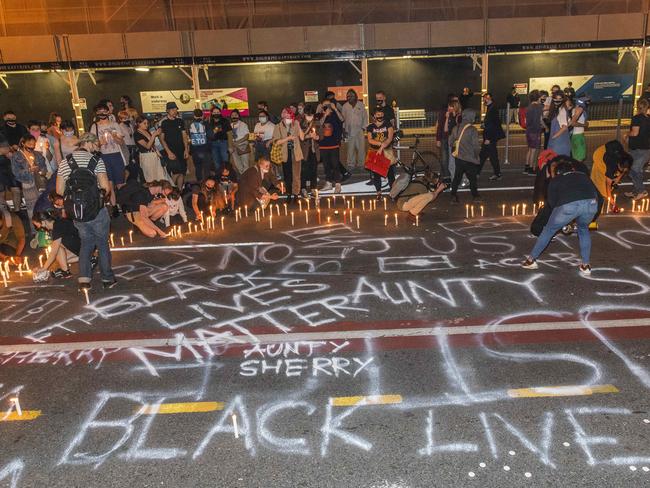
(82,198)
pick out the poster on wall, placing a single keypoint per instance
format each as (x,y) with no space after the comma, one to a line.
(225,98)
(522,88)
(601,88)
(341,91)
(311,96)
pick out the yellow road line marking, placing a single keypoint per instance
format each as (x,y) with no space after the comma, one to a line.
(191,407)
(14,417)
(560,391)
(365,400)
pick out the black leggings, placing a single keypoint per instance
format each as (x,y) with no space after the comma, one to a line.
(471,170)
(376,178)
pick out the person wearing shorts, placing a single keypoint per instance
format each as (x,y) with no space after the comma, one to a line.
(110,139)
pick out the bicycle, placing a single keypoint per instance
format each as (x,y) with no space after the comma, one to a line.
(425,158)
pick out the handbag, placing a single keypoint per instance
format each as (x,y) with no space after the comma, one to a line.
(276,153)
(454,153)
(241,146)
(377,163)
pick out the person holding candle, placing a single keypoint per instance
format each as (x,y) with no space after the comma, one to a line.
(227,189)
(464,140)
(202,199)
(610,164)
(65,245)
(380,138)
(572,196)
(258,186)
(145,205)
(175,207)
(288,134)
(30,170)
(240,148)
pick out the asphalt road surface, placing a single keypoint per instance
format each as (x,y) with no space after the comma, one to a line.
(338,355)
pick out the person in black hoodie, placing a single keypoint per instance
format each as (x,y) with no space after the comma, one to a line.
(492,133)
(12,130)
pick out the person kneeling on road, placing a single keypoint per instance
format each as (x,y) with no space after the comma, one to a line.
(419,193)
(610,164)
(257,185)
(572,196)
(65,245)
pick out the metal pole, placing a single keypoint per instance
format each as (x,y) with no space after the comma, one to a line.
(364,83)
(619,116)
(484,81)
(507,134)
(197,86)
(73,76)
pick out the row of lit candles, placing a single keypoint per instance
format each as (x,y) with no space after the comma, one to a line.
(21,267)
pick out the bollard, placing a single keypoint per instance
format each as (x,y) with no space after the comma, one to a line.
(505,161)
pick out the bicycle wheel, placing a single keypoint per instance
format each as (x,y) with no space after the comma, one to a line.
(426,159)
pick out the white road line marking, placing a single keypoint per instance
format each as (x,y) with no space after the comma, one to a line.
(189,246)
(317,336)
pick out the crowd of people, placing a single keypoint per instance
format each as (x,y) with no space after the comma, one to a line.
(128,165)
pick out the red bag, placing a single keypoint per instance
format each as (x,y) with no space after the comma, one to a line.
(377,162)
(522,117)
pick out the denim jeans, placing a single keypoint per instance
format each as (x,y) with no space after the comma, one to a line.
(219,150)
(94,234)
(639,158)
(444,158)
(582,211)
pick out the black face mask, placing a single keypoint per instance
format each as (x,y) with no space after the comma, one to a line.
(379,102)
(11,123)
(102,116)
(216,116)
(127,122)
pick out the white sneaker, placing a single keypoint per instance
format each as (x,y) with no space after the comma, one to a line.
(584,269)
(529,264)
(337,188)
(327,186)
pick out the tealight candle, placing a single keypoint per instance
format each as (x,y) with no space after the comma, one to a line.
(396,222)
(292,221)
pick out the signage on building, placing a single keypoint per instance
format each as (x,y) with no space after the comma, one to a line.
(226,99)
(601,88)
(341,91)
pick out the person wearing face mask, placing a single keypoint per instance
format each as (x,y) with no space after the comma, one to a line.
(199,149)
(263,106)
(30,170)
(68,141)
(148,155)
(330,145)
(176,144)
(448,118)
(263,134)
(43,145)
(110,139)
(310,151)
(560,138)
(300,112)
(240,148)
(12,130)
(218,128)
(258,186)
(380,138)
(355,121)
(492,133)
(330,99)
(7,181)
(203,199)
(127,130)
(389,113)
(288,135)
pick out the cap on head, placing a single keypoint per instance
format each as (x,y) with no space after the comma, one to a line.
(171,105)
(87,138)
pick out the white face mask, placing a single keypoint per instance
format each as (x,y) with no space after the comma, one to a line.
(309,118)
(287,122)
(263,120)
(301,110)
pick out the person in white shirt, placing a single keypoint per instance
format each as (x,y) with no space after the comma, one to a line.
(355,120)
(175,206)
(263,135)
(240,149)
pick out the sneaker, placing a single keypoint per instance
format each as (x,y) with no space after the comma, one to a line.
(107,285)
(94,262)
(584,269)
(346,176)
(327,186)
(337,188)
(639,196)
(495,177)
(529,264)
(59,274)
(464,183)
(593,226)
(630,194)
(370,182)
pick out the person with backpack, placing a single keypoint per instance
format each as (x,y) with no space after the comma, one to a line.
(199,148)
(83,181)
(466,146)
